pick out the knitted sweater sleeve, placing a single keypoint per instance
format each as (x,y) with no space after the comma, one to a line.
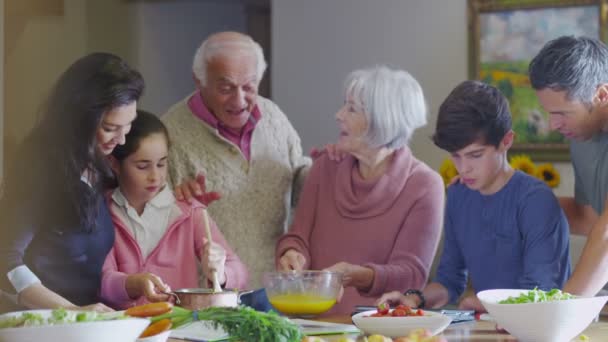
(180,165)
(412,254)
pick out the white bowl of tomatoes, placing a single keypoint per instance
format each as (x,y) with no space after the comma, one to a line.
(400,321)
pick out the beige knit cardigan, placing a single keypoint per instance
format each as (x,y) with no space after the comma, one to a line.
(256,195)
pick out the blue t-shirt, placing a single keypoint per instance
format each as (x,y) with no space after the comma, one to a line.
(517,238)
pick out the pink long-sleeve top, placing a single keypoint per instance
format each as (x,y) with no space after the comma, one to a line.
(391,224)
(174,259)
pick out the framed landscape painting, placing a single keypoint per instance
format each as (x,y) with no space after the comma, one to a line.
(504,36)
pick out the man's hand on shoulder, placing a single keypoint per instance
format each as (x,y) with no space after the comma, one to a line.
(333,152)
(195,188)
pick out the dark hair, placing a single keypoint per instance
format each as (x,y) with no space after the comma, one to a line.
(473,112)
(63,144)
(577,65)
(144,125)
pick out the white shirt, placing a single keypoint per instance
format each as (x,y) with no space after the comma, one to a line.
(149,228)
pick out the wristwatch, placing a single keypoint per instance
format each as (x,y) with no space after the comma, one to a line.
(417,293)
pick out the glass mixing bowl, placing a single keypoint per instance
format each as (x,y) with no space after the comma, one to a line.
(302,293)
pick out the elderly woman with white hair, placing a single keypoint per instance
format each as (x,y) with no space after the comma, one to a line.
(376,215)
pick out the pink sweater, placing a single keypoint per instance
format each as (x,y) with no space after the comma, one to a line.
(174,259)
(391,225)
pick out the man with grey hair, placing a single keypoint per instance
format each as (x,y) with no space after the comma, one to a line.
(242,143)
(570,76)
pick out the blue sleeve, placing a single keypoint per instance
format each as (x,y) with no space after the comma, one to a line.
(545,236)
(451,272)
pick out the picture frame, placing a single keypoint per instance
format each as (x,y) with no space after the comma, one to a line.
(504,36)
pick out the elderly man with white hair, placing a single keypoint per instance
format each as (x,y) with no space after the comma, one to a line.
(376,215)
(242,143)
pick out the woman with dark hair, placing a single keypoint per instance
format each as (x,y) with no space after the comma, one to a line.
(56,228)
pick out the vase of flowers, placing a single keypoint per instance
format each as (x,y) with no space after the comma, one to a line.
(545,172)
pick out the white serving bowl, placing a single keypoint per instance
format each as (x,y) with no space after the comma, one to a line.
(120,330)
(400,326)
(162,337)
(556,321)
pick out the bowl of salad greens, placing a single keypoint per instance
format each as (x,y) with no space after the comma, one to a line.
(69,326)
(541,316)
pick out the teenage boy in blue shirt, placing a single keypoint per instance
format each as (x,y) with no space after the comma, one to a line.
(503,228)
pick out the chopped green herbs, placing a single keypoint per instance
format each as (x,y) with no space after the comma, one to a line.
(58,316)
(537,296)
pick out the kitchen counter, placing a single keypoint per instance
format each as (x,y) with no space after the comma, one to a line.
(478,331)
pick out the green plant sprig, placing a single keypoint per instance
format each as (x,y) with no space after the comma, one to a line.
(241,323)
(537,296)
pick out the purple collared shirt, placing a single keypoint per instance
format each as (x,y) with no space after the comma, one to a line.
(242,139)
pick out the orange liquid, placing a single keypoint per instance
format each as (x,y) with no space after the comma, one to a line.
(301,304)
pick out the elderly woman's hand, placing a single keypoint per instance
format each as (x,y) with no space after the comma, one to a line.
(357,276)
(195,188)
(292,260)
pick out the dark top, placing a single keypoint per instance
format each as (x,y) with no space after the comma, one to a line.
(66,257)
(517,238)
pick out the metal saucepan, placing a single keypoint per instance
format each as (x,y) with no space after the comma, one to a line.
(199,298)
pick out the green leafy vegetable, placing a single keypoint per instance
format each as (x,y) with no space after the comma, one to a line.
(58,316)
(241,323)
(537,296)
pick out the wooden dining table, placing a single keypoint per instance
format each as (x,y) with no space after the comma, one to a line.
(476,331)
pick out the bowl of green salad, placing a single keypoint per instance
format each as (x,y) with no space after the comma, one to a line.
(69,326)
(541,316)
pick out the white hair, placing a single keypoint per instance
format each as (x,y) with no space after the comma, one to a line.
(392,101)
(211,48)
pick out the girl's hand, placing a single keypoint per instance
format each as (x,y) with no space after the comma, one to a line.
(292,260)
(195,188)
(99,307)
(214,259)
(148,285)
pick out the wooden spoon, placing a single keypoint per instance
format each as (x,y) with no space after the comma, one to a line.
(214,278)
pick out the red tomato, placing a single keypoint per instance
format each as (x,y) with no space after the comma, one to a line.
(399,313)
(419,312)
(403,307)
(383,309)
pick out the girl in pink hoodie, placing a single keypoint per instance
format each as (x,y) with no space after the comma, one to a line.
(159,241)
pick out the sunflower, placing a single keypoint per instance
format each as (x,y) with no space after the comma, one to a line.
(524,164)
(448,171)
(548,174)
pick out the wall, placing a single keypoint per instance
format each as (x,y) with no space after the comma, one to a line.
(47,44)
(1,87)
(168,34)
(111,26)
(426,37)
(315,44)
(158,38)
